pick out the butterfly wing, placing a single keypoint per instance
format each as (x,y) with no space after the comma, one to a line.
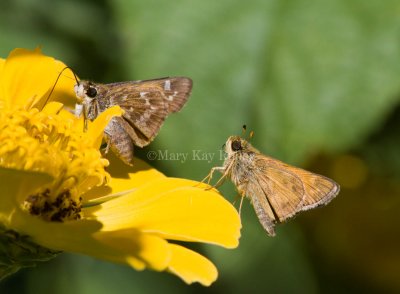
(119,140)
(261,205)
(319,190)
(290,190)
(283,190)
(146,104)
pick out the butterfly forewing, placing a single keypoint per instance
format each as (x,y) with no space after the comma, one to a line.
(284,190)
(291,190)
(319,190)
(144,111)
(148,103)
(176,92)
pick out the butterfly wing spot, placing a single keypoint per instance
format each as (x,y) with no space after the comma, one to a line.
(171,97)
(167,85)
(292,186)
(295,189)
(145,117)
(177,95)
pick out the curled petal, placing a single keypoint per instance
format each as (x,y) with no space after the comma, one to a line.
(96,129)
(191,266)
(136,249)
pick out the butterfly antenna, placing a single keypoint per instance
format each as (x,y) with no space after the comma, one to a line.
(244,130)
(58,77)
(251,135)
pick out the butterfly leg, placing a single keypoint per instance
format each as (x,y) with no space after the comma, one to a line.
(221,179)
(241,196)
(208,178)
(240,205)
(108,145)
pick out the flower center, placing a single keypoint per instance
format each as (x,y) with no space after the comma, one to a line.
(49,143)
(59,208)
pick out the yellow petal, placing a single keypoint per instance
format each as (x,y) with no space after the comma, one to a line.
(52,108)
(125,246)
(138,249)
(124,178)
(26,77)
(77,122)
(175,209)
(84,236)
(191,266)
(74,236)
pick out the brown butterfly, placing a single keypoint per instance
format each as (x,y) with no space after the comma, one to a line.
(277,190)
(146,104)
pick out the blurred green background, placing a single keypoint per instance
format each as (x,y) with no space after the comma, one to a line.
(318,82)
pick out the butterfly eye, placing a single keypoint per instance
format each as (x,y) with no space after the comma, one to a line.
(91,92)
(236,146)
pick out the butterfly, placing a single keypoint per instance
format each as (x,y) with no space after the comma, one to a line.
(278,191)
(146,104)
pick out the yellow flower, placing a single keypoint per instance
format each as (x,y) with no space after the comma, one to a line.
(58,196)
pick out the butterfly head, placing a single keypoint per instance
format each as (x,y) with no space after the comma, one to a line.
(91,96)
(86,90)
(235,144)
